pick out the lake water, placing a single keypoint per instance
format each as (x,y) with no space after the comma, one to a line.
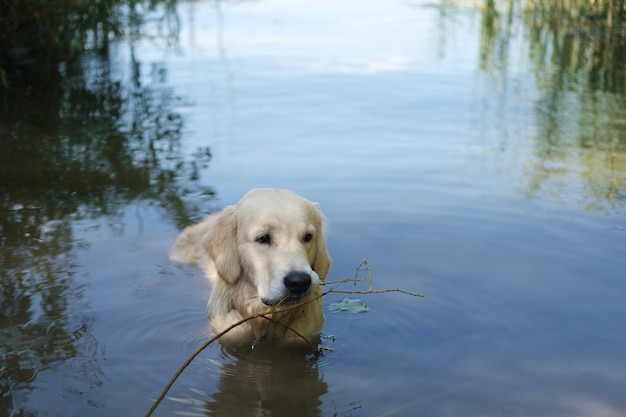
(479,162)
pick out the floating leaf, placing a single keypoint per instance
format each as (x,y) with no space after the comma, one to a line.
(353,305)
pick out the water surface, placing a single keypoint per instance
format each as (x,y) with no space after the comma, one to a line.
(479,162)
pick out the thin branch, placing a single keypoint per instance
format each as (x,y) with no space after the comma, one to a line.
(206,344)
(412,294)
(297,333)
(191,358)
(279,308)
(364,266)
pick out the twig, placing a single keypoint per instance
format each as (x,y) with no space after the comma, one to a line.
(364,266)
(190,359)
(206,344)
(412,294)
(297,333)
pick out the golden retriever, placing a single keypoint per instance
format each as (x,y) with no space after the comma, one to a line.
(265,251)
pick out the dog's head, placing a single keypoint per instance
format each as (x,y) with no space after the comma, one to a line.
(273,238)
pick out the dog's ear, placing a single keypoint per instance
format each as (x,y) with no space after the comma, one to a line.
(321,263)
(220,243)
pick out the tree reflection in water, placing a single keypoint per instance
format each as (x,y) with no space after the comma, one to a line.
(76,141)
(579,149)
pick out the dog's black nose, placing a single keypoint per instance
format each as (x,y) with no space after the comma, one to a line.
(297,282)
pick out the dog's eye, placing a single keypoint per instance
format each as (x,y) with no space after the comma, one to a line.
(308,237)
(264,239)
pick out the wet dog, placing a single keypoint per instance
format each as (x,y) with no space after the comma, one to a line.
(266,251)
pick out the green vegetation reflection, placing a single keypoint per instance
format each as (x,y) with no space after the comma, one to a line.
(79,138)
(578,120)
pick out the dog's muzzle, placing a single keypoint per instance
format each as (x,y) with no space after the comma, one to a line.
(296,285)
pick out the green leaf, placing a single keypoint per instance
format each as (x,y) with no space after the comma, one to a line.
(352,305)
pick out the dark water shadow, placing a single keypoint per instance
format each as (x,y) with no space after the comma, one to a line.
(270,380)
(79,139)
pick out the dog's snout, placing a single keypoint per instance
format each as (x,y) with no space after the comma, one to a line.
(297,282)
